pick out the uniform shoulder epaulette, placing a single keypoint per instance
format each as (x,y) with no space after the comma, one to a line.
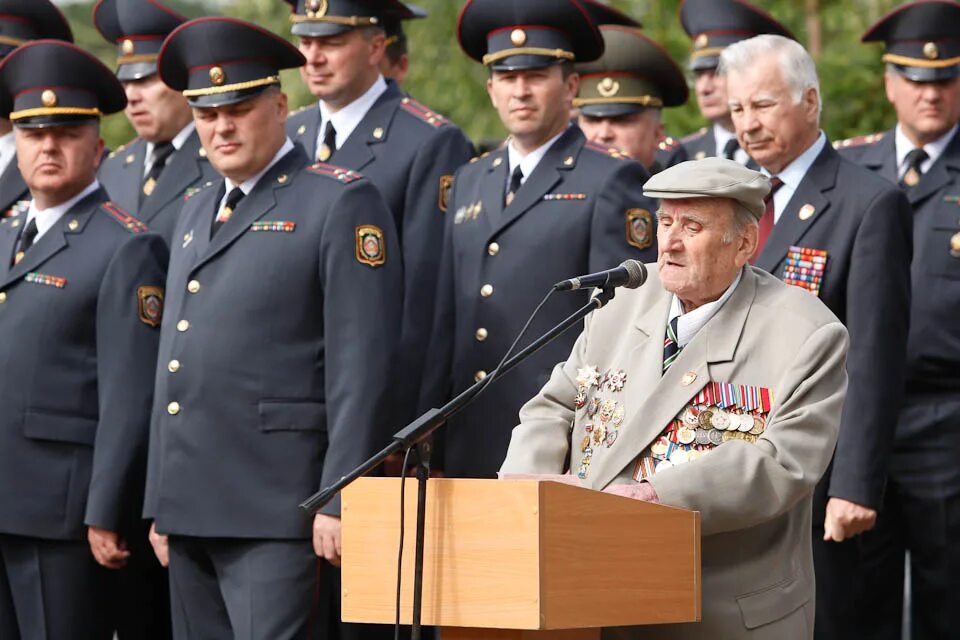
(421,112)
(693,136)
(480,157)
(668,144)
(18,207)
(122,148)
(613,152)
(301,109)
(859,141)
(126,220)
(345,176)
(192,191)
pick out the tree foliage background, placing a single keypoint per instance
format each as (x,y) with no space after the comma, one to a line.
(441,76)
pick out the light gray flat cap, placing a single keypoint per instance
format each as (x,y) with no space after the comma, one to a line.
(711,178)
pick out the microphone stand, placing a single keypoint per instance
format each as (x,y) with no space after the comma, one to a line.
(417,432)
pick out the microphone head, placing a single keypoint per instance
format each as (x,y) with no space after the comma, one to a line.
(636,273)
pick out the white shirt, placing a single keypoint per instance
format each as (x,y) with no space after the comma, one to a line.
(690,323)
(178,141)
(46,218)
(247,185)
(346,120)
(720,138)
(934,149)
(792,175)
(530,161)
(8,150)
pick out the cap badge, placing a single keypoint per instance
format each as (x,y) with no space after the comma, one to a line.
(702,41)
(127,47)
(48,98)
(217,76)
(316,8)
(930,51)
(518,37)
(608,87)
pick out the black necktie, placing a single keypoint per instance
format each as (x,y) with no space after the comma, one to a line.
(161,152)
(235,196)
(515,179)
(329,145)
(914,159)
(730,149)
(27,238)
(671,346)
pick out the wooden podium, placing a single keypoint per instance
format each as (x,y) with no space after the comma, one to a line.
(519,559)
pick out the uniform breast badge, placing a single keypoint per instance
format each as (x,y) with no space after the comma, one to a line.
(603,412)
(805,268)
(370,246)
(150,305)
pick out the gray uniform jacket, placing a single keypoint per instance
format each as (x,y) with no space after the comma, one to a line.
(12,186)
(121,174)
(81,313)
(753,497)
(580,211)
(276,352)
(410,154)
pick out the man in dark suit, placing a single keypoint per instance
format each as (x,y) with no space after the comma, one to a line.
(409,152)
(922,498)
(276,353)
(714,25)
(149,175)
(844,234)
(622,95)
(81,297)
(22,21)
(546,206)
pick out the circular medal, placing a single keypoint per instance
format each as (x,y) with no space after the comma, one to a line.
(716,437)
(720,420)
(686,435)
(706,418)
(759,424)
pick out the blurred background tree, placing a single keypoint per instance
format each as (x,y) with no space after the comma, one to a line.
(441,76)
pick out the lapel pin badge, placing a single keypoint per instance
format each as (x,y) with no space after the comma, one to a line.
(807,211)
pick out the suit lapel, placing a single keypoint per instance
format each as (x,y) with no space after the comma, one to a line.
(790,228)
(493,186)
(716,342)
(938,176)
(254,205)
(127,194)
(183,170)
(358,150)
(882,157)
(306,133)
(8,241)
(54,240)
(12,186)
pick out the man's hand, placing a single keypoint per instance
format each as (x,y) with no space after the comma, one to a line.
(846,519)
(107,547)
(642,491)
(160,544)
(326,538)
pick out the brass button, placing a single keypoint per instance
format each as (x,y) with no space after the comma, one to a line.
(493,248)
(193,286)
(479,375)
(3,297)
(481,334)
(183,325)
(173,366)
(486,290)
(173,408)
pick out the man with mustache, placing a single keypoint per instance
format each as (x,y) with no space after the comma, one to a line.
(844,234)
(546,206)
(921,154)
(149,175)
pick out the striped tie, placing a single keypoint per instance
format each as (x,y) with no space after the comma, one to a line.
(671,346)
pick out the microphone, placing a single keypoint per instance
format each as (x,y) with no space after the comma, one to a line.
(630,274)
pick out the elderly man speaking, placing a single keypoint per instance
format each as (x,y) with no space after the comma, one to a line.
(715,388)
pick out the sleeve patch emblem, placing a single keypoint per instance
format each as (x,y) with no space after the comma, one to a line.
(150,304)
(639,228)
(370,247)
(446,182)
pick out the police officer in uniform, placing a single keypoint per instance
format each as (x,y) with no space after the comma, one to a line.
(81,299)
(276,352)
(149,175)
(623,93)
(365,123)
(921,505)
(844,234)
(22,21)
(546,206)
(713,25)
(396,60)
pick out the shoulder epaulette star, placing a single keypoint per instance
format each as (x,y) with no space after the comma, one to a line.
(859,141)
(479,157)
(423,113)
(301,109)
(126,220)
(668,144)
(121,148)
(693,136)
(613,152)
(345,176)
